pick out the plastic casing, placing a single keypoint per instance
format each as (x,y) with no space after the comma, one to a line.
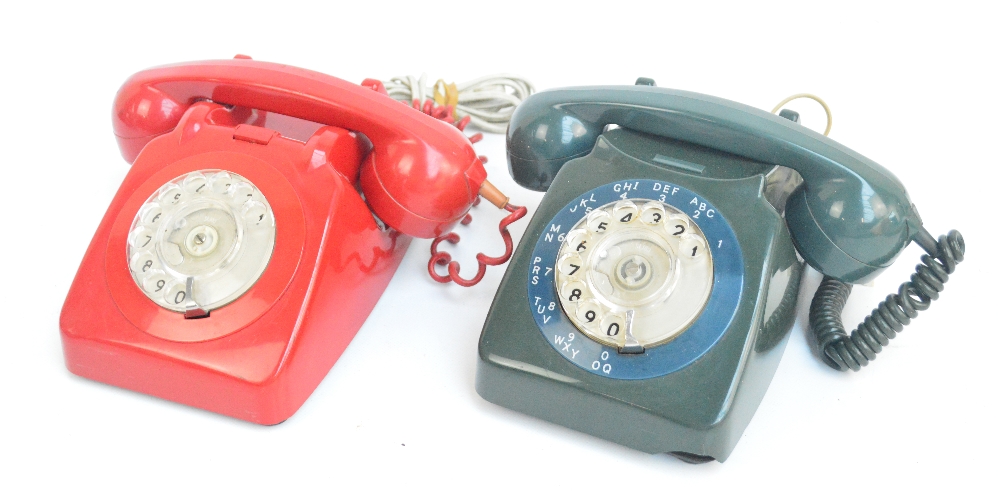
(850,219)
(260,357)
(347,151)
(423,174)
(699,410)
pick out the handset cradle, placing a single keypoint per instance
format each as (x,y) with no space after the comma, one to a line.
(406,144)
(851,218)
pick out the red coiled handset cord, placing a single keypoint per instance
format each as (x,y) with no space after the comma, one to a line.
(442,258)
(445,113)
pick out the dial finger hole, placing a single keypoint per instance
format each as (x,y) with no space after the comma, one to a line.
(692,247)
(613,326)
(144,262)
(625,211)
(598,221)
(156,282)
(653,213)
(195,183)
(220,182)
(577,240)
(240,192)
(589,313)
(175,294)
(256,213)
(142,238)
(677,225)
(151,215)
(170,195)
(573,291)
(570,265)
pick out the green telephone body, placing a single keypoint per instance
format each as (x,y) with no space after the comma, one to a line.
(650,298)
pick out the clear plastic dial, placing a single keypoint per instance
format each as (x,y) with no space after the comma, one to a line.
(201,241)
(634,273)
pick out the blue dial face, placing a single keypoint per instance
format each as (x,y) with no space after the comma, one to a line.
(635,279)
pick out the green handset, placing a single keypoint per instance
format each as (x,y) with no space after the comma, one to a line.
(650,299)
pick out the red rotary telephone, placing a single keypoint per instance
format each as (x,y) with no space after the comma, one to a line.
(266,210)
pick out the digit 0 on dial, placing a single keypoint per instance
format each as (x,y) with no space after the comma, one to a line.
(201,241)
(634,273)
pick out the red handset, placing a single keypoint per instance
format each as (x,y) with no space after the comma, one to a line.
(422,175)
(235,264)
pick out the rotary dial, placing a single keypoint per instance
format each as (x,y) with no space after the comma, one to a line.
(633,274)
(201,241)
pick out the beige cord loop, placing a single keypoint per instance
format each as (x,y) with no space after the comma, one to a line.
(445,94)
(829,115)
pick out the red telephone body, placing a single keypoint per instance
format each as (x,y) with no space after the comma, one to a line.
(259,357)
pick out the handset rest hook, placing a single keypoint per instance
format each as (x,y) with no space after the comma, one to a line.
(420,179)
(850,219)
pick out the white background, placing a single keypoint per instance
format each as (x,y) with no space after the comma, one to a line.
(912,87)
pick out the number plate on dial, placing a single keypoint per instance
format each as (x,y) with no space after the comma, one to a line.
(203,239)
(635,279)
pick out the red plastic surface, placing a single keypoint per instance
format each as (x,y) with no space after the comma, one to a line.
(260,357)
(422,175)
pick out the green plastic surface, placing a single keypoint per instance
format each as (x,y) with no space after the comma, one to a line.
(850,219)
(701,409)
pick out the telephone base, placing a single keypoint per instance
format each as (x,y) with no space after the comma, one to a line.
(696,409)
(259,357)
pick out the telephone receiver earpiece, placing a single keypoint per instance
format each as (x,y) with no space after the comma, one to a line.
(850,219)
(421,177)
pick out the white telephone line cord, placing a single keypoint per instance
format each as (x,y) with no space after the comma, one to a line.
(488,101)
